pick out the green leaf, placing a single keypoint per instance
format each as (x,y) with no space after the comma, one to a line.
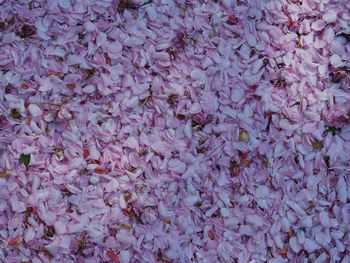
(25,159)
(198,204)
(333,130)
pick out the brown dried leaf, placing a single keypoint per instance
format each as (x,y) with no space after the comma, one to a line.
(5,175)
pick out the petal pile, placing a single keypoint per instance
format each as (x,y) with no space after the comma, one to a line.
(174,131)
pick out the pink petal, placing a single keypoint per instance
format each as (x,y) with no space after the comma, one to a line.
(60,227)
(198,74)
(294,245)
(89,88)
(114,47)
(336,61)
(324,219)
(310,245)
(318,25)
(159,147)
(34,110)
(329,17)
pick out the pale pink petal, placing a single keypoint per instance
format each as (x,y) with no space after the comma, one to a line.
(34,110)
(318,25)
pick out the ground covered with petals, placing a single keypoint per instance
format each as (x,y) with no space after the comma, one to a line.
(174,131)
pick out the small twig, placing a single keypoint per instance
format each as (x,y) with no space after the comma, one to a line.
(49,103)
